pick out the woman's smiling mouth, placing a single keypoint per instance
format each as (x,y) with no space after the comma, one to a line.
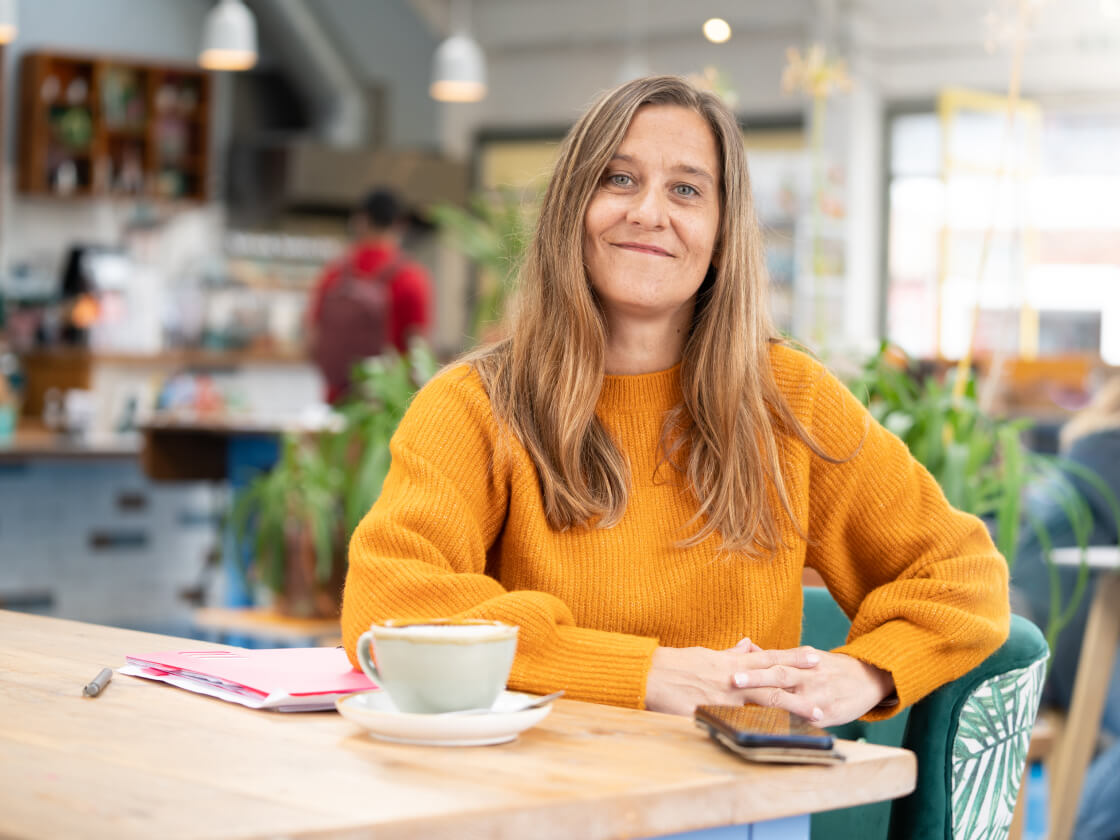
(643,249)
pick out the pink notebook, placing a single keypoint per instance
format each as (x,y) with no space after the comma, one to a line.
(286,679)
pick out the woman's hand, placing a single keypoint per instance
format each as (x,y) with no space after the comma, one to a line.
(841,688)
(681,679)
(827,688)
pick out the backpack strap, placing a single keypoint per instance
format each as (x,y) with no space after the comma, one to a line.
(383,275)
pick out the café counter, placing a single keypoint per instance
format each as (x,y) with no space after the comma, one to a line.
(144,759)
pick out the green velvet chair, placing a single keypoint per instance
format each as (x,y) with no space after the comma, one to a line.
(970,737)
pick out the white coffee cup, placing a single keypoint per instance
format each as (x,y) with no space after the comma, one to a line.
(439,665)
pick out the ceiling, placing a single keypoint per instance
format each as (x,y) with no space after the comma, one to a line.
(881,27)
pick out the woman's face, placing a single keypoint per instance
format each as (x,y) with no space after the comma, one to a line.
(651,226)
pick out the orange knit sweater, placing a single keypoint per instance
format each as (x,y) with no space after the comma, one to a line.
(459,529)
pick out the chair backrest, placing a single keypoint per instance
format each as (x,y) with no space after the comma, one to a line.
(970,737)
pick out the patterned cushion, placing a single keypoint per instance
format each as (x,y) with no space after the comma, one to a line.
(990,751)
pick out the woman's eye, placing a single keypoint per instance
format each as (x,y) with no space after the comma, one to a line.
(685,190)
(619,180)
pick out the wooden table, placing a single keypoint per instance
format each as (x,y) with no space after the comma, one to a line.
(1090,687)
(148,760)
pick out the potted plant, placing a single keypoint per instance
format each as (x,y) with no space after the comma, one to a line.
(978,459)
(299,515)
(493,231)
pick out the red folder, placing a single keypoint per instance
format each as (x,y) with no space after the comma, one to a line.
(286,679)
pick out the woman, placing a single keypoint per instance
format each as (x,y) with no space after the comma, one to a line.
(638,475)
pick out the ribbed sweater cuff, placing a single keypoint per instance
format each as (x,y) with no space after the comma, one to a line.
(590,665)
(914,658)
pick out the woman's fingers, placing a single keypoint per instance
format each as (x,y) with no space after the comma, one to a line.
(779,698)
(776,676)
(747,646)
(839,690)
(773,668)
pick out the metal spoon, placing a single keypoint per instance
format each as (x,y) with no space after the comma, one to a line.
(531,703)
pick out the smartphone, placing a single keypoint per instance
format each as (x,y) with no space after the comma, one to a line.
(762,726)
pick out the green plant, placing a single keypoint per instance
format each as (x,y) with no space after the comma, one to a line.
(979,460)
(298,494)
(493,231)
(383,387)
(298,516)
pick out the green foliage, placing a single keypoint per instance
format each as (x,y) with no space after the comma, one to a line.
(493,232)
(383,388)
(325,481)
(979,461)
(300,491)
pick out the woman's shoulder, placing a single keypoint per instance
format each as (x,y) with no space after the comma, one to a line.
(816,396)
(793,368)
(458,385)
(451,406)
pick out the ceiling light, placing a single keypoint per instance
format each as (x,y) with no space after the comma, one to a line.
(9,20)
(717,30)
(229,37)
(458,71)
(458,66)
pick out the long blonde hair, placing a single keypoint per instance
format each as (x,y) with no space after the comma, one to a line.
(544,380)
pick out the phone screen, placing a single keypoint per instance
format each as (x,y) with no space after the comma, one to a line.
(764,726)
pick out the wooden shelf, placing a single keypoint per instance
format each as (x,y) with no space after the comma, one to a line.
(72,367)
(105,127)
(126,131)
(33,442)
(191,357)
(269,626)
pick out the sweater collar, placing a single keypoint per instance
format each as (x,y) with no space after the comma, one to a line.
(643,392)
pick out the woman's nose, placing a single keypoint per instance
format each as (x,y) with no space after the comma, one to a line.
(648,209)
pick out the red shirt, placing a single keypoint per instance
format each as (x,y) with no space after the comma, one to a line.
(409,291)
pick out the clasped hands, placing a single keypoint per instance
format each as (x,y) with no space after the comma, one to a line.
(827,688)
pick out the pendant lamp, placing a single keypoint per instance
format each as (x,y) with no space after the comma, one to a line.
(9,20)
(459,67)
(229,37)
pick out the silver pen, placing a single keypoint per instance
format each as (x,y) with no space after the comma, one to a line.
(99,682)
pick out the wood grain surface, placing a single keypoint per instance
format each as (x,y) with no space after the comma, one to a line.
(149,760)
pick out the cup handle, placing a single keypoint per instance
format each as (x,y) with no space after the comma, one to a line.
(364,658)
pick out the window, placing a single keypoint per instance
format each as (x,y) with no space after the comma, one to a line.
(1039,250)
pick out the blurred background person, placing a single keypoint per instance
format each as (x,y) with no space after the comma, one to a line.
(373,299)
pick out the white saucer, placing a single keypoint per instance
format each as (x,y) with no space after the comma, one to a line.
(374,711)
